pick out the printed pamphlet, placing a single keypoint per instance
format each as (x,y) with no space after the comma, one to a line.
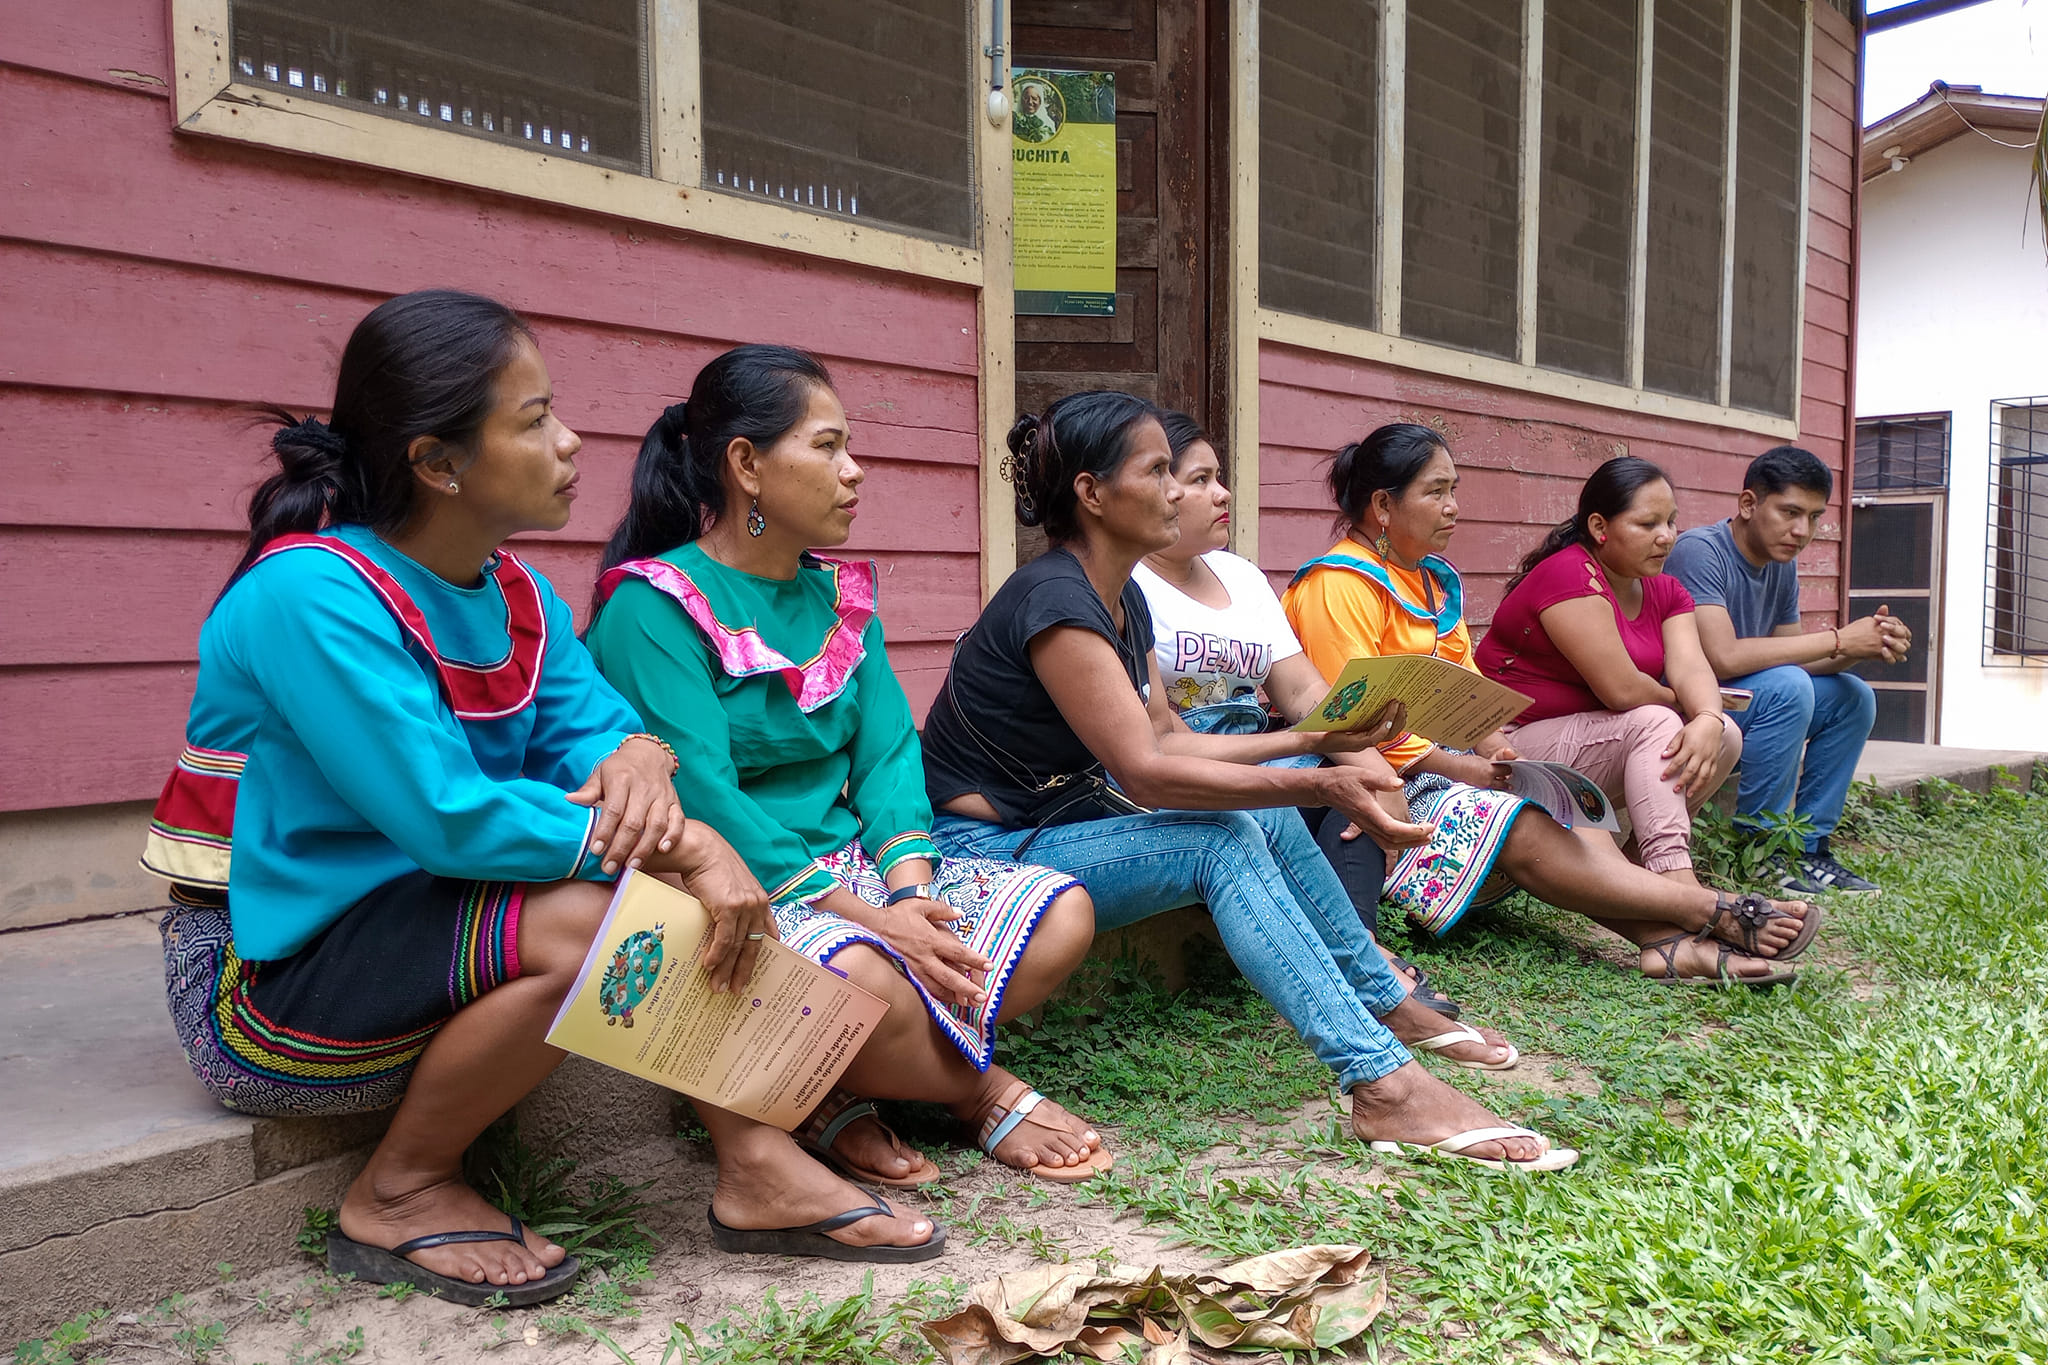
(769,1049)
(1572,798)
(1453,706)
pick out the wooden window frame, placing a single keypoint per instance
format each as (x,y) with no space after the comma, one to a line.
(210,100)
(1385,342)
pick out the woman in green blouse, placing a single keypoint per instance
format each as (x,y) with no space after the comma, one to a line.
(763,665)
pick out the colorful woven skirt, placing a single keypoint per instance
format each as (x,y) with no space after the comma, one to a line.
(1438,882)
(337,1027)
(999,903)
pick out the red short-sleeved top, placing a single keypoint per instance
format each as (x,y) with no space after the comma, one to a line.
(1519,653)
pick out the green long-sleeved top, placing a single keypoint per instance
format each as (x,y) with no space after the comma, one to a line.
(795,737)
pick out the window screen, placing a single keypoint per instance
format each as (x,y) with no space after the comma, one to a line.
(1319,86)
(1688,146)
(566,77)
(861,110)
(1586,227)
(1767,163)
(1461,174)
(2017,607)
(1894,454)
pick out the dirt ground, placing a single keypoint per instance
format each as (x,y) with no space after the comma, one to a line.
(998,1220)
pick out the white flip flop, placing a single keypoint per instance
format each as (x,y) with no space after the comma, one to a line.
(1556,1159)
(1465,1033)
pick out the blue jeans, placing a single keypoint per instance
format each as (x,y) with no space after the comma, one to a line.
(1283,916)
(1802,732)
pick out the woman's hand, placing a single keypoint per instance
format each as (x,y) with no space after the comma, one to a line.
(1496,747)
(949,969)
(716,875)
(1381,729)
(1355,792)
(637,811)
(1472,770)
(1693,754)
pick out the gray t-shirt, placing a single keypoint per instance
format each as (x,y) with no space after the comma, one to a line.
(1757,600)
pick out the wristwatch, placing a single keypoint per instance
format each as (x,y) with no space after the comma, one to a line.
(923,891)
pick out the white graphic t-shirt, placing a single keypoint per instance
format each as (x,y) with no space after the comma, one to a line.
(1206,655)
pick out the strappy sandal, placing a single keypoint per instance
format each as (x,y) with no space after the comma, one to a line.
(1722,979)
(1002,1119)
(1425,994)
(1747,914)
(841,1109)
(1465,1033)
(377,1265)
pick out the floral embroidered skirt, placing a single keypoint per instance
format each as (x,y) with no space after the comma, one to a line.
(999,903)
(1438,882)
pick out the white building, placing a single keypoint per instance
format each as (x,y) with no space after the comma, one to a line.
(1950,489)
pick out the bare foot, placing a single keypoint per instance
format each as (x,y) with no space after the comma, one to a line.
(1410,1105)
(1048,1136)
(1411,1021)
(1691,959)
(775,1185)
(386,1212)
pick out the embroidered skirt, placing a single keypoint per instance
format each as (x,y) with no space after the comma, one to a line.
(999,902)
(337,1027)
(1438,882)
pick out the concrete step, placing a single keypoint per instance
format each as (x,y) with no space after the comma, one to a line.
(122,1181)
(1897,766)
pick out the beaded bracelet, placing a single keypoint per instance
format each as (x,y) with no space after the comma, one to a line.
(674,764)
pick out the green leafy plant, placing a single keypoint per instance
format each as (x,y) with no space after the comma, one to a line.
(327,1353)
(599,1219)
(858,1330)
(313,1230)
(62,1345)
(1734,856)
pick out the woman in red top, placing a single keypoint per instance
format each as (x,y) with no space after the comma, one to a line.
(1605,644)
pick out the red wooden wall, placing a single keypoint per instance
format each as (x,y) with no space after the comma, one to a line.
(1523,456)
(151,282)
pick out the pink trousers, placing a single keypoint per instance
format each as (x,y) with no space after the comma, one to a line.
(1623,751)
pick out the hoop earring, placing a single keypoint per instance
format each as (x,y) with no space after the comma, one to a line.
(454,487)
(756,523)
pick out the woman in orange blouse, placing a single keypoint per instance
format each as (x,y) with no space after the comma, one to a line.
(1386,589)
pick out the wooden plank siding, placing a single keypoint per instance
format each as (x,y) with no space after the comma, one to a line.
(153,283)
(1523,456)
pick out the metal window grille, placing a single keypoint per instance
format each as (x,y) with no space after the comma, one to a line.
(2016,540)
(856,110)
(563,81)
(1900,454)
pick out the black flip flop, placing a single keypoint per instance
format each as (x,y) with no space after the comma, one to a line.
(1425,994)
(810,1239)
(375,1265)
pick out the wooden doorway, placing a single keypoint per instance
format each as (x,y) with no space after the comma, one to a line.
(1166,342)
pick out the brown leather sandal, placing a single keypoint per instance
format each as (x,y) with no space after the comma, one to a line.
(833,1116)
(1722,979)
(1746,915)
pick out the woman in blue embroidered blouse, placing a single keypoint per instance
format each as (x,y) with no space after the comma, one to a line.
(814,768)
(403,787)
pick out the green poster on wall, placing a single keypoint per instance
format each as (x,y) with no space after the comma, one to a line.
(1063,150)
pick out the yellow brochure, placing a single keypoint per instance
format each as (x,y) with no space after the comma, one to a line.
(1453,706)
(769,1049)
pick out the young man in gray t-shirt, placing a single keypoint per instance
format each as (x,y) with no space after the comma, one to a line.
(1805,728)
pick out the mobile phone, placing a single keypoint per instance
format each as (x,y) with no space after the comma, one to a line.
(1736,698)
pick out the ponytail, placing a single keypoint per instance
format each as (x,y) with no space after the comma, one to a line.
(754,393)
(420,364)
(1607,492)
(674,494)
(1387,460)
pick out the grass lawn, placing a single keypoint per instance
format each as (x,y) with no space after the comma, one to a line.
(1854,1170)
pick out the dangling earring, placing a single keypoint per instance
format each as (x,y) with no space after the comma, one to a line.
(756,523)
(1381,546)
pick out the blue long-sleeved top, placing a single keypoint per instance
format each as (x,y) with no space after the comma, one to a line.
(358,771)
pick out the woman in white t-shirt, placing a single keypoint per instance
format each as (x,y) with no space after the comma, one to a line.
(1221,636)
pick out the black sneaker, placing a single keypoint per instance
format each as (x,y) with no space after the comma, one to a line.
(1794,878)
(1821,872)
